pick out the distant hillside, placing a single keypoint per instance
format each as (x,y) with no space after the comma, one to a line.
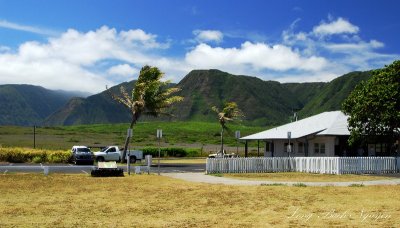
(99,108)
(263,102)
(28,105)
(332,94)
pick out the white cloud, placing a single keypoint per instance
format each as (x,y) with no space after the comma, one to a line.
(208,36)
(258,56)
(335,27)
(145,39)
(72,61)
(354,47)
(26,28)
(123,70)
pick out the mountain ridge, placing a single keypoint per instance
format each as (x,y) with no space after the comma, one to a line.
(263,102)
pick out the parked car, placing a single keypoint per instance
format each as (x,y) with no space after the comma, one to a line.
(223,155)
(113,153)
(82,155)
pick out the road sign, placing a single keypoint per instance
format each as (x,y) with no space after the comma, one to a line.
(159,133)
(237,134)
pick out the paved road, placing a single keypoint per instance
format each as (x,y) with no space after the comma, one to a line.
(203,178)
(68,168)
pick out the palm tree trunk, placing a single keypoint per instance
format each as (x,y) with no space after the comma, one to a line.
(222,141)
(127,140)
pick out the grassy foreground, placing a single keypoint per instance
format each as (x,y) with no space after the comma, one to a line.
(157,201)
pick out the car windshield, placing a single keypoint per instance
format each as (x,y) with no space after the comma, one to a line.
(81,150)
(104,149)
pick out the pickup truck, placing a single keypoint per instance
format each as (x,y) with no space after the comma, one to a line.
(112,153)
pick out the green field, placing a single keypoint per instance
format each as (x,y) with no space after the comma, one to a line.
(203,135)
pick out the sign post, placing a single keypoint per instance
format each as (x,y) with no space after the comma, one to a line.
(159,136)
(289,149)
(237,136)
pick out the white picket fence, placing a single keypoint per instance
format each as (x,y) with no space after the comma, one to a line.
(328,165)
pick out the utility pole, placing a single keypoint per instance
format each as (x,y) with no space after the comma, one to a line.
(159,136)
(237,136)
(34,136)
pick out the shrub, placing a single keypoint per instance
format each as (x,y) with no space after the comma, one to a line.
(171,152)
(19,155)
(356,185)
(299,185)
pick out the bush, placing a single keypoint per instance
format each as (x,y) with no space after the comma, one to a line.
(171,152)
(19,155)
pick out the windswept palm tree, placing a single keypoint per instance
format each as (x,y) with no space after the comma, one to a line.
(149,96)
(230,112)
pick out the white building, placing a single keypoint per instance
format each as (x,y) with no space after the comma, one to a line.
(321,135)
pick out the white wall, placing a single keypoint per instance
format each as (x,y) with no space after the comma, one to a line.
(329,147)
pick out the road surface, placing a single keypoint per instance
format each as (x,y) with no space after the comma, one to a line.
(69,168)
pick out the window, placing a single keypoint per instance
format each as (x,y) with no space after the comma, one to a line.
(300,146)
(322,148)
(316,148)
(319,148)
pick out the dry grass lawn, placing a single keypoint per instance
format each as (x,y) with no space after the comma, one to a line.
(35,200)
(303,177)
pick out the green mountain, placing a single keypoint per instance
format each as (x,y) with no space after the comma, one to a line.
(29,105)
(263,102)
(99,108)
(332,94)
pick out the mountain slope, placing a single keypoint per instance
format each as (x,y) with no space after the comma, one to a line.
(28,105)
(99,108)
(332,95)
(263,102)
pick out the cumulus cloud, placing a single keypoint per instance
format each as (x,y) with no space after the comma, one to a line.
(256,55)
(208,36)
(73,60)
(123,70)
(335,27)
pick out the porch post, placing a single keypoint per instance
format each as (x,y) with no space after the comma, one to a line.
(306,147)
(258,148)
(245,149)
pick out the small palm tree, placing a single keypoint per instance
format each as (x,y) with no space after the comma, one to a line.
(230,112)
(149,96)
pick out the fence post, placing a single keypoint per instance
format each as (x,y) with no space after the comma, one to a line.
(46,170)
(397,164)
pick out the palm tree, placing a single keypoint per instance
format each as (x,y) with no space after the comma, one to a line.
(230,112)
(149,96)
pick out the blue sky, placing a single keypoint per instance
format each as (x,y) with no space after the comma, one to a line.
(86,45)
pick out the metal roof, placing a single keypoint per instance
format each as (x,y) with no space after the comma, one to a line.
(327,123)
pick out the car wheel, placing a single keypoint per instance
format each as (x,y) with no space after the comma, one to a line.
(100,159)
